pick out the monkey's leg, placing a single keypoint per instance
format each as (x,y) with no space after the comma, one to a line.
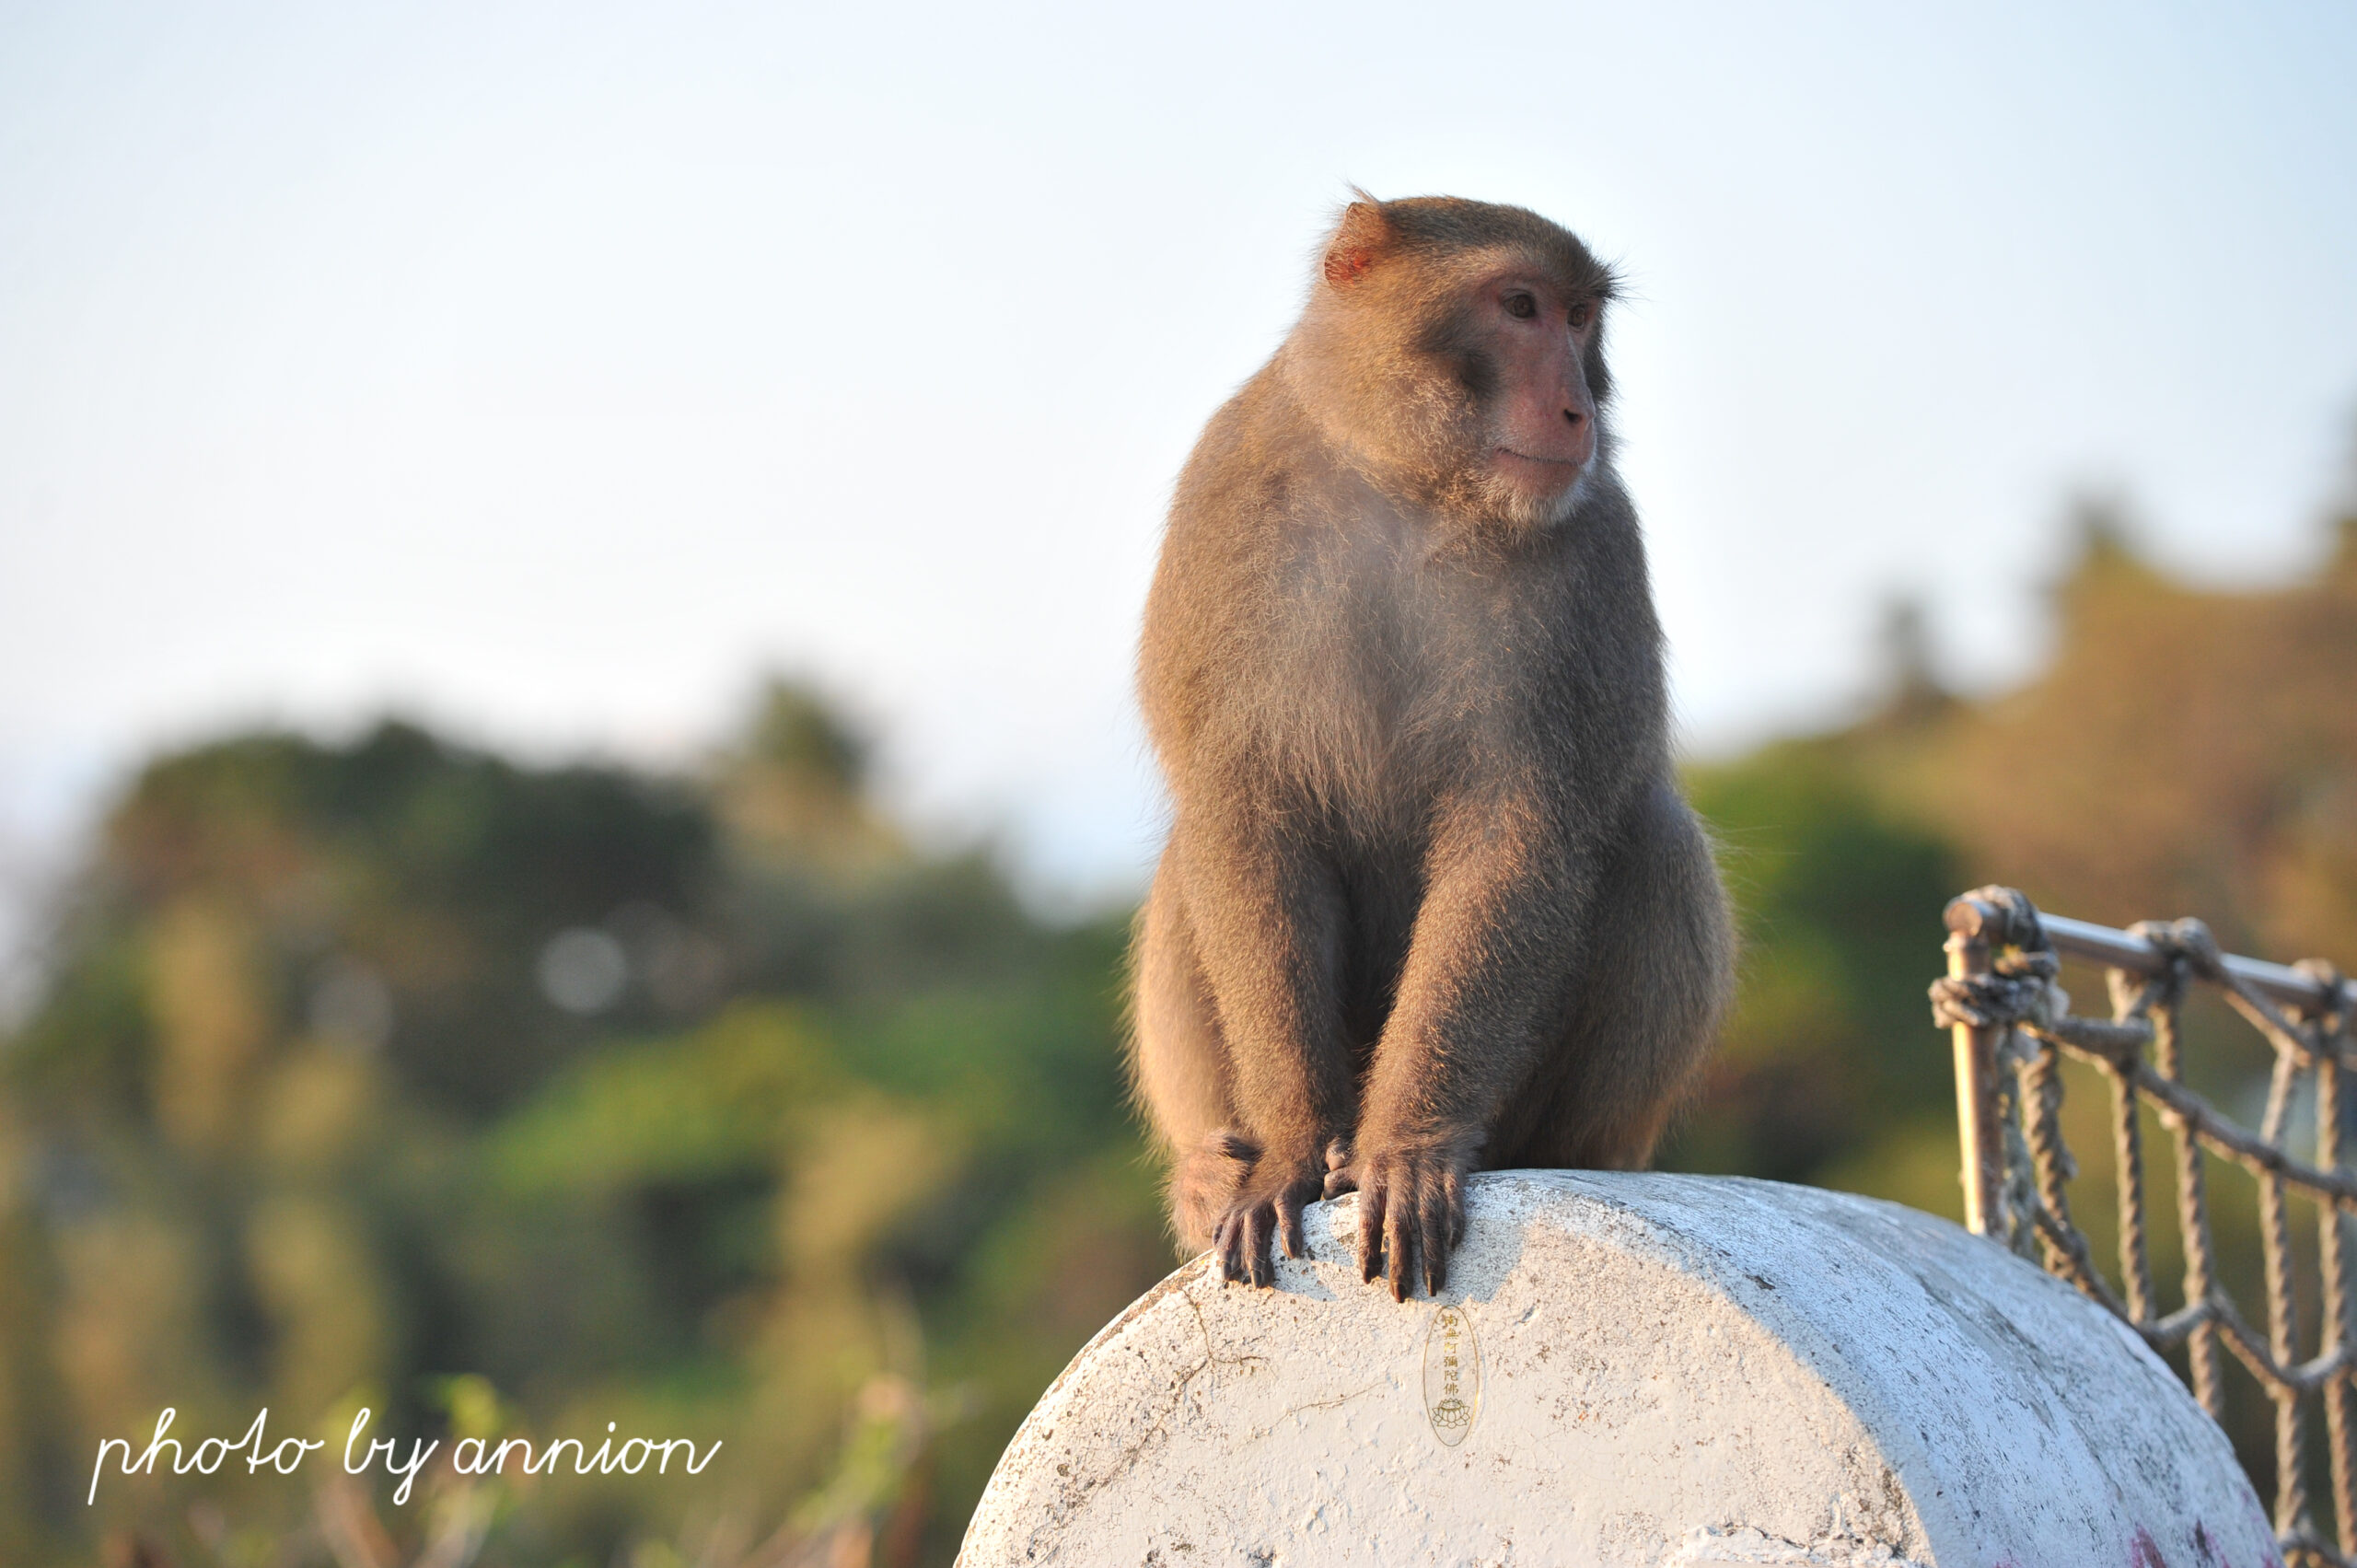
(1643,1012)
(1507,892)
(1179,1065)
(1267,915)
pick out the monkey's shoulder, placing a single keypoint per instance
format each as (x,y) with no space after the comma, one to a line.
(1254,467)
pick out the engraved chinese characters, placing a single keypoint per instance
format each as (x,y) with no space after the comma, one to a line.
(1452,1375)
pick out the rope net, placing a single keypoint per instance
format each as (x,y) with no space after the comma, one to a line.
(2012,1026)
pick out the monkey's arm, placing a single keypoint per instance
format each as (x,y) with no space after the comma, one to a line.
(1509,891)
(1267,915)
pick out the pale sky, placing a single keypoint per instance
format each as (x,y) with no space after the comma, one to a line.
(550,371)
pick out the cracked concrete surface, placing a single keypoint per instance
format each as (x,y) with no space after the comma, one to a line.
(1663,1370)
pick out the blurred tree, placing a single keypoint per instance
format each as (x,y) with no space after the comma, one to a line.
(396,893)
(2188,751)
(794,792)
(709,1106)
(1839,902)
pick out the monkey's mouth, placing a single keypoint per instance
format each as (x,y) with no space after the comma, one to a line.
(1550,462)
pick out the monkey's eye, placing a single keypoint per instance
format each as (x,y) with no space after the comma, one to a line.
(1521,307)
(1582,313)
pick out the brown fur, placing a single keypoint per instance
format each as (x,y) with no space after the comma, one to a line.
(1431,899)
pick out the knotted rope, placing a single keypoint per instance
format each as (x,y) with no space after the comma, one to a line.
(2138,1050)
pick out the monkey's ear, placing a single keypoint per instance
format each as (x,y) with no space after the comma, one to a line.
(1358,240)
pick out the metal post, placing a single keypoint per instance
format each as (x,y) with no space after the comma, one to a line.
(1968,923)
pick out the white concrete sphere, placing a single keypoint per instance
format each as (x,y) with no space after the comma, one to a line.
(1626,1369)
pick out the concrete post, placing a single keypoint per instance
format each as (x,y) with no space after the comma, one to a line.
(1628,1369)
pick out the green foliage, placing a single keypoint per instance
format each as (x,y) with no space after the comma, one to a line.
(796,731)
(672,1112)
(1840,919)
(836,1170)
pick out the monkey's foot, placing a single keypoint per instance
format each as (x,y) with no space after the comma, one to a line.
(1412,1208)
(1253,1198)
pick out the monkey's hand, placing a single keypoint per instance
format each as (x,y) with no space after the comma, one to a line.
(1412,1207)
(1262,1201)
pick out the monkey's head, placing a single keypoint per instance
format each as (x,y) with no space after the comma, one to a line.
(1454,350)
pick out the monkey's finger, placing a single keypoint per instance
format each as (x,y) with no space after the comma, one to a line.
(1339,1182)
(1259,1222)
(1338,1155)
(1370,1231)
(1399,1243)
(1433,1236)
(1225,1244)
(1289,1224)
(1453,1186)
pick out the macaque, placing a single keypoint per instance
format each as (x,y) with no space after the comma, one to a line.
(1432,902)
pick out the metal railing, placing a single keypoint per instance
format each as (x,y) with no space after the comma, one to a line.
(2010,1025)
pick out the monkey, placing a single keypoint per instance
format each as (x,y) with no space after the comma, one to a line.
(1431,899)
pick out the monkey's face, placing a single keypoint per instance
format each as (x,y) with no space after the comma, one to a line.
(1519,346)
(1468,385)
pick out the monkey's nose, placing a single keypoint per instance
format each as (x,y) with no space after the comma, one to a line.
(1574,416)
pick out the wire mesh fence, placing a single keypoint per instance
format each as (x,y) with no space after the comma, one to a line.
(2011,1028)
